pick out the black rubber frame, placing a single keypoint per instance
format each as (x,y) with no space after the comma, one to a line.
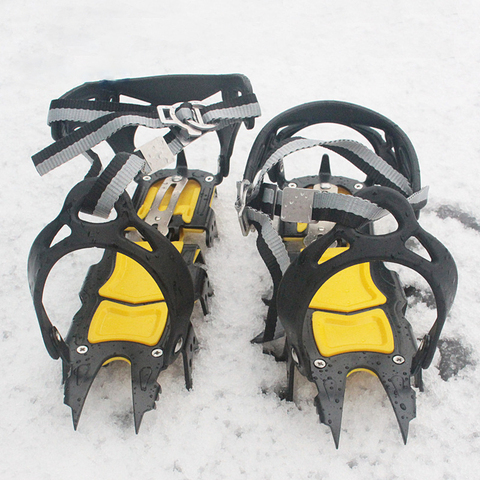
(166,266)
(164,90)
(305,276)
(396,148)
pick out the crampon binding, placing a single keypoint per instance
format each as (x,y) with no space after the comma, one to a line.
(340,308)
(137,301)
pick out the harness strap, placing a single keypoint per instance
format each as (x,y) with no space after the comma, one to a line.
(112,183)
(100,120)
(258,203)
(304,205)
(357,153)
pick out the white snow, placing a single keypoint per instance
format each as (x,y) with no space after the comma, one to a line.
(415,62)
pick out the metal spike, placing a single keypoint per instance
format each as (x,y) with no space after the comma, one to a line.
(402,397)
(325,172)
(187,353)
(145,389)
(329,403)
(77,386)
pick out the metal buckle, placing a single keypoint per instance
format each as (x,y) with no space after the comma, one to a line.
(317,229)
(195,128)
(157,154)
(297,204)
(240,204)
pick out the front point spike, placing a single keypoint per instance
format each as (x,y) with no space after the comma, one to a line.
(75,418)
(402,398)
(404,429)
(329,402)
(145,389)
(77,386)
(333,421)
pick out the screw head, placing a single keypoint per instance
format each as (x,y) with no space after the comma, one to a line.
(158,352)
(319,363)
(82,349)
(398,359)
(147,178)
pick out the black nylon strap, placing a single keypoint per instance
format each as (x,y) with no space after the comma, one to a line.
(101,184)
(89,122)
(113,117)
(84,138)
(98,106)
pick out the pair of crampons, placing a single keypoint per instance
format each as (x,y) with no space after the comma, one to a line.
(336,307)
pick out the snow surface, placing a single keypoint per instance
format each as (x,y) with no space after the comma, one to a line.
(415,62)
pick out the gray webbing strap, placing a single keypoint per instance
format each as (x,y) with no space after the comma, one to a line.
(84,139)
(271,237)
(357,153)
(303,205)
(117,186)
(101,120)
(306,205)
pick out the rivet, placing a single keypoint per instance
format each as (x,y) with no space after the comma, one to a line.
(178,345)
(319,363)
(209,178)
(398,359)
(158,352)
(358,186)
(295,356)
(292,185)
(82,349)
(177,178)
(147,178)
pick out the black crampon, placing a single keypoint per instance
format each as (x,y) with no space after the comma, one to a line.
(340,308)
(137,301)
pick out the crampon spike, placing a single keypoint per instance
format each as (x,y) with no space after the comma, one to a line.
(339,307)
(137,302)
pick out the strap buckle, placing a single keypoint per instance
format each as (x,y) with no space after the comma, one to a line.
(157,154)
(297,205)
(190,117)
(240,204)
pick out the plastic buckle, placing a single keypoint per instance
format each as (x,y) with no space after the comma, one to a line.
(240,204)
(195,126)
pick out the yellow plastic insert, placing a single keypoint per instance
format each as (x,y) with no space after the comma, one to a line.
(367,331)
(117,322)
(358,370)
(115,359)
(185,205)
(349,290)
(131,283)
